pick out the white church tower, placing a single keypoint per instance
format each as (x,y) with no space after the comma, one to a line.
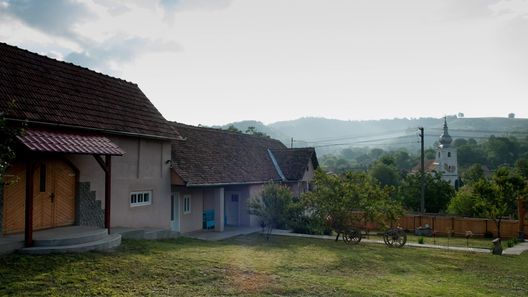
(446,158)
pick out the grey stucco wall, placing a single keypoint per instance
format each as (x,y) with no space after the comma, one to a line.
(90,211)
(142,168)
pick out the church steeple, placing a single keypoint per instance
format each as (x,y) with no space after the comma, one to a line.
(446,157)
(445,139)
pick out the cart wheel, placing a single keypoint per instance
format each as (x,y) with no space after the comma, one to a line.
(395,238)
(352,237)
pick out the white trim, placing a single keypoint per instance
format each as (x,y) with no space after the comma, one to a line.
(137,198)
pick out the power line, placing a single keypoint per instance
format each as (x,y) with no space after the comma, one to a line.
(342,137)
(377,144)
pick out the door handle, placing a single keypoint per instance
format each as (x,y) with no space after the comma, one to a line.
(52,196)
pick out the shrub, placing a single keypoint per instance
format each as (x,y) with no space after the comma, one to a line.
(421,240)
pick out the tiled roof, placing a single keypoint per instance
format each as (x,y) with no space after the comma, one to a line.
(211,156)
(73,143)
(43,90)
(429,166)
(293,162)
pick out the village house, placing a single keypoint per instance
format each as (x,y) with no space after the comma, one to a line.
(104,162)
(215,172)
(95,148)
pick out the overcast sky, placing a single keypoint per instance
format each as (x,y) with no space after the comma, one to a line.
(218,61)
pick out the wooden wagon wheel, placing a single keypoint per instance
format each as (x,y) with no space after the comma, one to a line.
(395,238)
(352,237)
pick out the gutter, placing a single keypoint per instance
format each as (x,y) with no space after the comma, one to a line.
(189,185)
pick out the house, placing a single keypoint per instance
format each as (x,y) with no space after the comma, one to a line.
(95,148)
(215,172)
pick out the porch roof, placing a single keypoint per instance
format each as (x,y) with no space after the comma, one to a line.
(68,142)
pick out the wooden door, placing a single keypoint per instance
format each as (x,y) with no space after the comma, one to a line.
(64,192)
(53,198)
(43,196)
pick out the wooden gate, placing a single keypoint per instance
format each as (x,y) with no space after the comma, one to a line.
(53,199)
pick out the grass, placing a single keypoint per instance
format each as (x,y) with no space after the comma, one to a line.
(252,266)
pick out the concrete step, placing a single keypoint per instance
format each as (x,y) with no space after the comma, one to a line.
(107,243)
(129,233)
(156,234)
(70,239)
(146,233)
(9,246)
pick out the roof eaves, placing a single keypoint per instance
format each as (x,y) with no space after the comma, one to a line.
(115,132)
(191,185)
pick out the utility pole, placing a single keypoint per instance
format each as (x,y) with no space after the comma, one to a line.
(422,170)
(291,145)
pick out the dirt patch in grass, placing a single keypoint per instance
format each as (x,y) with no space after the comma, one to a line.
(247,281)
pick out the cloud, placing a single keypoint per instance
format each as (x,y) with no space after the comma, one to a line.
(107,55)
(57,17)
(91,29)
(175,5)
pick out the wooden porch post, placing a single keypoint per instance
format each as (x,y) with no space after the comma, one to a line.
(28,228)
(107,168)
(522,214)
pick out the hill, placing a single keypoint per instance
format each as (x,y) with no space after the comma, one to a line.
(330,135)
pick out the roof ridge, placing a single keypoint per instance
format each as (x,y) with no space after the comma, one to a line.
(295,148)
(223,131)
(67,63)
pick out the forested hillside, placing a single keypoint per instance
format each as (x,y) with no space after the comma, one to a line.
(331,136)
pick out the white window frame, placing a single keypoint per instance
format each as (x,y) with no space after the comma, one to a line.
(186,204)
(136,198)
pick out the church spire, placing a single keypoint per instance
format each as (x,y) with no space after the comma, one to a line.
(445,139)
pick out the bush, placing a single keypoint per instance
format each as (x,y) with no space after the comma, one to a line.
(301,222)
(512,242)
(488,234)
(421,240)
(272,206)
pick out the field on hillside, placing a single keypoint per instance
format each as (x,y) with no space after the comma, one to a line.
(252,266)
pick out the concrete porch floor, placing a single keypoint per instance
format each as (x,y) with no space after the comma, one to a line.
(228,232)
(11,243)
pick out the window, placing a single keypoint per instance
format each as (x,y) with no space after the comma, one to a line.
(140,198)
(187,204)
(449,154)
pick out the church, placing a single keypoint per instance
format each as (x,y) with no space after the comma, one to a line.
(446,158)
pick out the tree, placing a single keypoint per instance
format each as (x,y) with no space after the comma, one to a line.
(7,145)
(438,192)
(272,206)
(501,150)
(351,200)
(473,174)
(251,130)
(386,174)
(493,199)
(232,128)
(521,166)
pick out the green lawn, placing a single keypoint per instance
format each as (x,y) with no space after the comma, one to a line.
(250,265)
